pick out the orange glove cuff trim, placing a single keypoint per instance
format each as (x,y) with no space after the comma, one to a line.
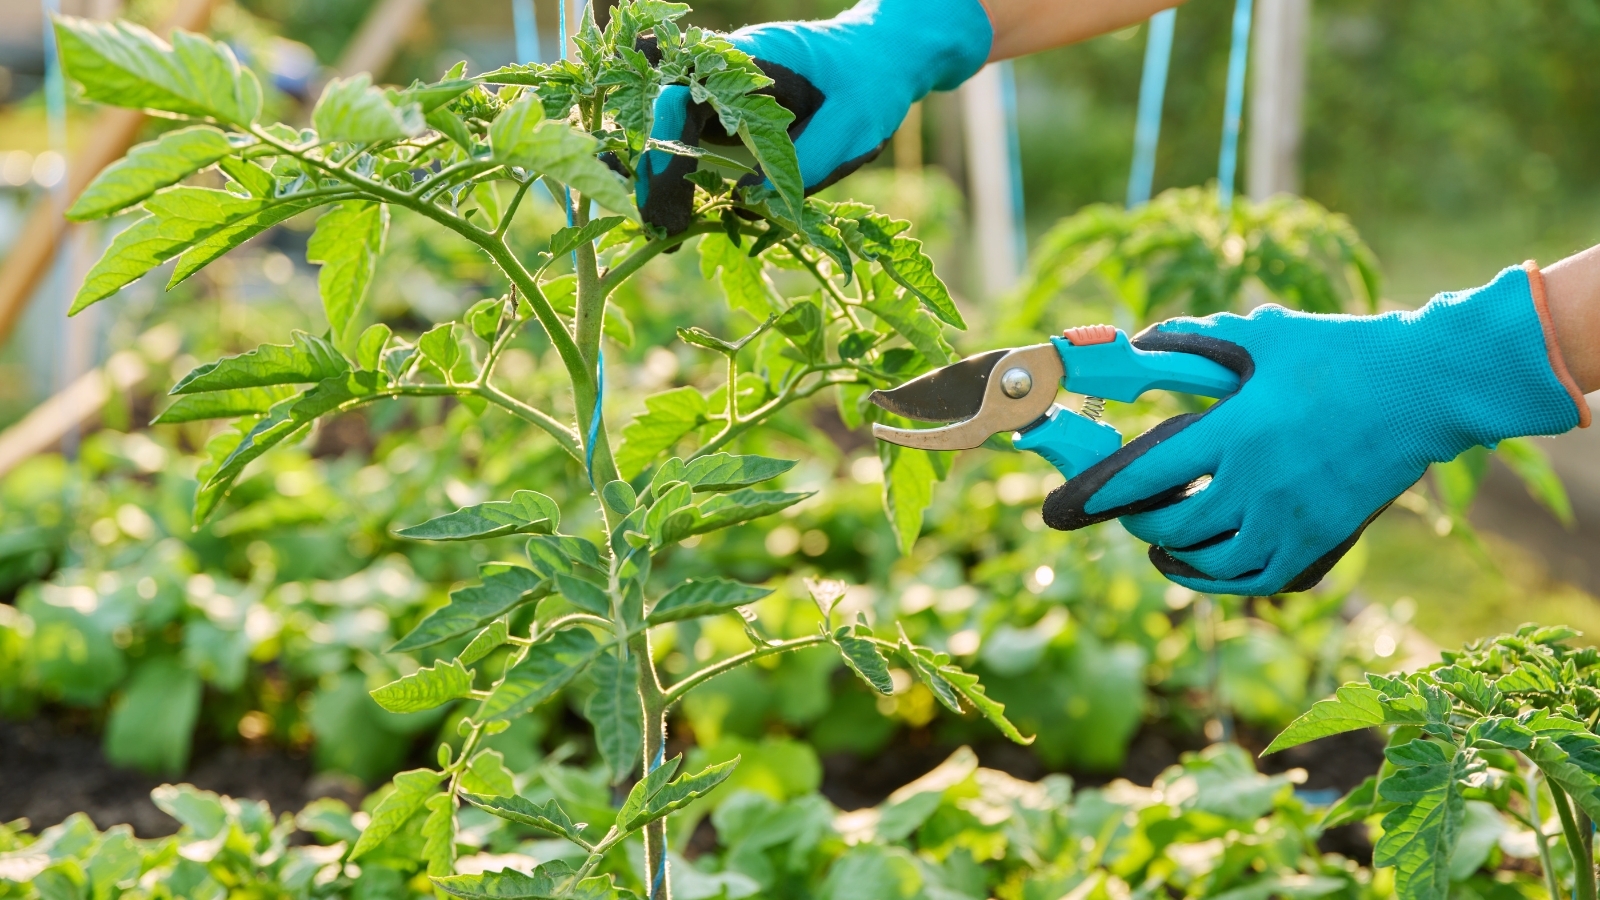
(1557,363)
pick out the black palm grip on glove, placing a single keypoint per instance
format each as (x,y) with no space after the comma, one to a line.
(670,199)
(1066,507)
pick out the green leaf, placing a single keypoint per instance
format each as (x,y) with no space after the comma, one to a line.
(568,239)
(200,811)
(667,418)
(451,126)
(548,882)
(224,404)
(913,270)
(924,663)
(547,668)
(1569,755)
(521,137)
(553,554)
(616,714)
(527,512)
(123,64)
(433,96)
(743,280)
(178,218)
(929,665)
(672,796)
(908,477)
(309,359)
(1353,706)
(487,774)
(802,325)
(877,237)
(288,419)
(369,347)
(258,182)
(329,819)
(439,834)
(619,496)
(1457,480)
(761,123)
(426,688)
(352,110)
(504,588)
(486,641)
(651,784)
(152,723)
(726,510)
(347,242)
(148,168)
(907,318)
(1532,466)
(863,658)
(584,595)
(550,818)
(695,598)
(411,790)
(725,472)
(1354,806)
(206,251)
(1420,834)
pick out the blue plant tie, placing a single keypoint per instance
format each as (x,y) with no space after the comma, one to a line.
(1233,107)
(1152,93)
(659,878)
(594,415)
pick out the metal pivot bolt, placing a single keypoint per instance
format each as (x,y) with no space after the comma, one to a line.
(1016,382)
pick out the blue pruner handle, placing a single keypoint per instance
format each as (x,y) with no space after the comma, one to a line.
(1117,370)
(1099,361)
(1071,442)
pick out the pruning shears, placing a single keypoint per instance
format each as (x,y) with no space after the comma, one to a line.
(1015,390)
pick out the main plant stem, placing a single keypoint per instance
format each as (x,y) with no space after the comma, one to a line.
(655,746)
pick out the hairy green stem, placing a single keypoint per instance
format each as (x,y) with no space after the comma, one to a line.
(634,261)
(676,692)
(1582,867)
(655,744)
(789,395)
(1536,825)
(511,208)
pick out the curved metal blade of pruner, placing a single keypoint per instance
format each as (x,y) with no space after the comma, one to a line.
(1018,386)
(943,395)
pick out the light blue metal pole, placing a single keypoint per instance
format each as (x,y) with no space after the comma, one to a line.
(1008,100)
(525,21)
(1233,108)
(1152,93)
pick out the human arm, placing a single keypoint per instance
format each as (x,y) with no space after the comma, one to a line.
(1022,27)
(1572,287)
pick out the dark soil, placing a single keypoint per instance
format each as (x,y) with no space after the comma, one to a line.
(53,767)
(49,770)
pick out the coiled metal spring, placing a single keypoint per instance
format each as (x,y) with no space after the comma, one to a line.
(1093,407)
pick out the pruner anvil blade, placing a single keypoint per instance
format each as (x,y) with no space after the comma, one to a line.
(1018,388)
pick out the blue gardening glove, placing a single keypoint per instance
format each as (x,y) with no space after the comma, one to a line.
(848,80)
(1334,418)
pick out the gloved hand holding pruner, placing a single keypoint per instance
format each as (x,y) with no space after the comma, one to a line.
(1321,420)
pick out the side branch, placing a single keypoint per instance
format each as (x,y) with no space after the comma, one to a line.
(676,692)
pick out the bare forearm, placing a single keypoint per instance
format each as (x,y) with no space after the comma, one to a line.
(1572,288)
(1028,26)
